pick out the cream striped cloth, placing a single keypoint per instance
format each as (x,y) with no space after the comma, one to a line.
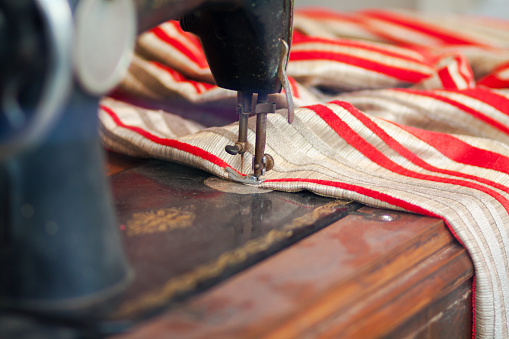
(397,110)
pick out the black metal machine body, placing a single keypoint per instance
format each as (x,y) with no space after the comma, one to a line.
(60,251)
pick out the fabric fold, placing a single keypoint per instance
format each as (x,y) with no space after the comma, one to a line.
(397,110)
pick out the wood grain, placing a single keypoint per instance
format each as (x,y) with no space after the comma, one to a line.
(116,162)
(361,277)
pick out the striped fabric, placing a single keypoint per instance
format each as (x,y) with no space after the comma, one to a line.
(397,110)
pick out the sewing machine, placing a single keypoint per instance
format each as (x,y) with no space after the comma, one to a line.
(79,256)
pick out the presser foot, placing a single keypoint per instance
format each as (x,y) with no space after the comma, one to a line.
(253,179)
(244,179)
(267,163)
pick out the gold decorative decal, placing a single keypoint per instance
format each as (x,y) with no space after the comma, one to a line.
(162,220)
(187,282)
(312,217)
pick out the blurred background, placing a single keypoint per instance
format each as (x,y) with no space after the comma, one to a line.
(492,8)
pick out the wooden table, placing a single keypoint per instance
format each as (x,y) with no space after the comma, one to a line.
(374,273)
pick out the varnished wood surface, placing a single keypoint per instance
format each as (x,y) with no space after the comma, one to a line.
(374,274)
(116,162)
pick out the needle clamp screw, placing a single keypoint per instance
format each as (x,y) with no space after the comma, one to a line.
(231,149)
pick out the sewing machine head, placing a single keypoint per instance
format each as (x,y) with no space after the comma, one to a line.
(54,71)
(246,45)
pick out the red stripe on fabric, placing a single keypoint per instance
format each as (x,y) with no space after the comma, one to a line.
(502,67)
(198,60)
(492,81)
(492,98)
(361,190)
(460,151)
(403,74)
(462,65)
(359,21)
(421,27)
(196,151)
(408,154)
(467,109)
(372,194)
(177,77)
(297,37)
(446,78)
(319,13)
(302,40)
(193,39)
(385,36)
(372,153)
